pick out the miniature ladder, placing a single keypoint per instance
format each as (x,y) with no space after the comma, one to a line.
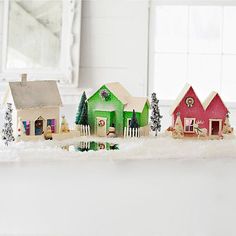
(131,132)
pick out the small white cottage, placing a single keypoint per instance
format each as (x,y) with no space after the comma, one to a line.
(36,105)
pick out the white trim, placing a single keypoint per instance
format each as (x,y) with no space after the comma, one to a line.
(188,118)
(210,126)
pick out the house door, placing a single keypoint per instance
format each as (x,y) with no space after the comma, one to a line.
(101,124)
(38,127)
(215,127)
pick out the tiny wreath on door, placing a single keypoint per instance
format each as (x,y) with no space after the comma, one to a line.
(102,146)
(101,123)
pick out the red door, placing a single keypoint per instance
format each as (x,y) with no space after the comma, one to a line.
(215,127)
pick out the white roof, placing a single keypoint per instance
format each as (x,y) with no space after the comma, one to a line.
(119,91)
(136,103)
(180,97)
(33,94)
(209,99)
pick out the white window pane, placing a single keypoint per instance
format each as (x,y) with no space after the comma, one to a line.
(229,78)
(229,37)
(171,28)
(169,75)
(204,73)
(205,29)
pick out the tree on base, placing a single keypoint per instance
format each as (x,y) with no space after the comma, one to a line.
(84,115)
(134,122)
(227,129)
(7,131)
(80,108)
(155,115)
(64,125)
(178,131)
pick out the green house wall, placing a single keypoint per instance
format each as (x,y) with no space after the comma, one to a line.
(97,104)
(141,117)
(113,110)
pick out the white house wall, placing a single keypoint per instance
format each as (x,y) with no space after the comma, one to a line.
(33,114)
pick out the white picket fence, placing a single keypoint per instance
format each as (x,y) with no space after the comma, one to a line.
(84,130)
(136,133)
(131,132)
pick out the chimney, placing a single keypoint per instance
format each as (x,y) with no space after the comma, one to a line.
(23,78)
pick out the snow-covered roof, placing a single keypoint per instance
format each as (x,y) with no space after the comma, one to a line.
(119,91)
(180,97)
(136,103)
(130,102)
(33,94)
(209,99)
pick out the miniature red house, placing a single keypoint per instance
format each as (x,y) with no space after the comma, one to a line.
(207,117)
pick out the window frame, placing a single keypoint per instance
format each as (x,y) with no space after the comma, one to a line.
(189,131)
(151,39)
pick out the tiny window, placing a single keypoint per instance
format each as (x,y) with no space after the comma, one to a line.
(52,123)
(26,124)
(128,122)
(188,125)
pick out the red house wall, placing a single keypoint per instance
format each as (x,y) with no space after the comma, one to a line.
(215,110)
(196,111)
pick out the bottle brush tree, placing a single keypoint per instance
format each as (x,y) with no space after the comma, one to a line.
(155,115)
(7,131)
(80,108)
(84,115)
(134,122)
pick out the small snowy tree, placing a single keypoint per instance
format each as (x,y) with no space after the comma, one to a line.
(7,131)
(178,131)
(64,125)
(134,122)
(80,108)
(227,129)
(84,115)
(155,115)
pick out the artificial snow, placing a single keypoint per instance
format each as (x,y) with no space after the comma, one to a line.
(161,147)
(150,187)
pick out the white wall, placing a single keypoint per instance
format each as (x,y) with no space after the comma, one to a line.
(1,20)
(114,39)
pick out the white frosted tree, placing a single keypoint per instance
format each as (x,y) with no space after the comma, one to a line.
(227,129)
(7,131)
(178,131)
(155,115)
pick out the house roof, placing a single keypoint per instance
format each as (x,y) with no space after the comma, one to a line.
(136,103)
(33,94)
(210,98)
(119,91)
(129,102)
(205,104)
(180,97)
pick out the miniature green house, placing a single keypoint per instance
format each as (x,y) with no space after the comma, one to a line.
(112,106)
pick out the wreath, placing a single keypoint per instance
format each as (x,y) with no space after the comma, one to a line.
(189,101)
(101,123)
(105,94)
(102,145)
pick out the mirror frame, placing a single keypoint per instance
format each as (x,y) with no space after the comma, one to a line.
(68,71)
